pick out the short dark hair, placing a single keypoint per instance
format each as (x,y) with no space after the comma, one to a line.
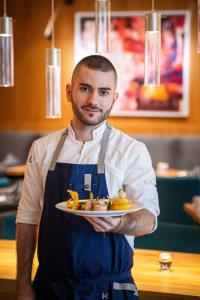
(95,62)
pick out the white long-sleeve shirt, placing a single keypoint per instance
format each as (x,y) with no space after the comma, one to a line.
(127,164)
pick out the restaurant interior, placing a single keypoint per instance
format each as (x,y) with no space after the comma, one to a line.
(165,116)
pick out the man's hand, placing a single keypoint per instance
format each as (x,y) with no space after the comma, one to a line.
(105,224)
(136,223)
(26,293)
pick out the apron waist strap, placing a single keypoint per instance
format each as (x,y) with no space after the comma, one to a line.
(100,279)
(79,288)
(114,277)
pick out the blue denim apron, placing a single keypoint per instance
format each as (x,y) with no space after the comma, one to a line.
(75,262)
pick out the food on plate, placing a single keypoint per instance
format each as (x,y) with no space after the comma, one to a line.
(88,204)
(73,203)
(121,202)
(100,205)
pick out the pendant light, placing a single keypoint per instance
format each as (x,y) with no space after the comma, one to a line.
(6,50)
(198,43)
(102,25)
(53,77)
(152,48)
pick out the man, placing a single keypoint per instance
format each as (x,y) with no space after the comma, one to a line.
(84,258)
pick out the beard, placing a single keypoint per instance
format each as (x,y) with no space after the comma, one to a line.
(89,120)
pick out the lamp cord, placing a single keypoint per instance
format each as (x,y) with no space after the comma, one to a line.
(4,8)
(153,5)
(53,17)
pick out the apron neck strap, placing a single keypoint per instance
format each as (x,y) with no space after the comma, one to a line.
(58,149)
(102,152)
(103,149)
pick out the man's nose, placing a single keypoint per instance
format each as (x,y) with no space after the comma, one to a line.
(93,97)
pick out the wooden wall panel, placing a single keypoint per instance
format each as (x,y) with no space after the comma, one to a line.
(23,107)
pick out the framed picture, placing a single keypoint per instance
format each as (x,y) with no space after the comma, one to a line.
(170,99)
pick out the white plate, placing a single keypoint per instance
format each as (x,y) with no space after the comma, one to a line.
(109,213)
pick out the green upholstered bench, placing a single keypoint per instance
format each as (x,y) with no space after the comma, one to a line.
(173,192)
(8,230)
(176,230)
(172,237)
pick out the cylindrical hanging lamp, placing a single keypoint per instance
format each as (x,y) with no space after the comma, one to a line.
(53,78)
(6,51)
(102,25)
(53,94)
(152,48)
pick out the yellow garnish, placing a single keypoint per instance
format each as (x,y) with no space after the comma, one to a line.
(122,194)
(73,194)
(121,202)
(73,203)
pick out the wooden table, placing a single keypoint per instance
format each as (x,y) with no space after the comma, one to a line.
(8,269)
(190,209)
(172,173)
(16,170)
(182,282)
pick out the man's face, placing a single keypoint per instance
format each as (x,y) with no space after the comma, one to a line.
(92,95)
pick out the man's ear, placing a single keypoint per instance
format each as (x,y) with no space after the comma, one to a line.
(69,92)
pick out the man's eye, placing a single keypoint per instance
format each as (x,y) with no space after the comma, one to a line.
(84,88)
(103,93)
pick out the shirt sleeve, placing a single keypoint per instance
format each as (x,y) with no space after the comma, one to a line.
(29,210)
(140,180)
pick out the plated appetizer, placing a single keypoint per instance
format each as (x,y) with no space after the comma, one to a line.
(121,202)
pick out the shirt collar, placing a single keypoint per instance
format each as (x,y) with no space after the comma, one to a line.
(96,133)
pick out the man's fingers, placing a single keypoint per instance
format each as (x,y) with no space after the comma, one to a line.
(96,227)
(104,224)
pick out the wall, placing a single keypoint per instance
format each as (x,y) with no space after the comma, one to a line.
(23,107)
